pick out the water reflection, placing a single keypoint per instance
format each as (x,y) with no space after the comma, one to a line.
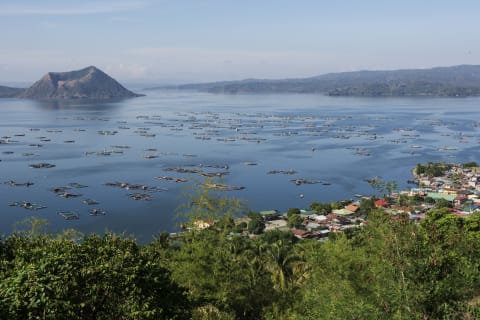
(80,104)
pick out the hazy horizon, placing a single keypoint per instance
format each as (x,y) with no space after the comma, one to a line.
(191,41)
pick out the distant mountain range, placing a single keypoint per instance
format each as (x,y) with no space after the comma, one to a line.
(87,83)
(456,81)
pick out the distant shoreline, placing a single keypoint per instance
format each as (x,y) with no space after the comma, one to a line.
(456,81)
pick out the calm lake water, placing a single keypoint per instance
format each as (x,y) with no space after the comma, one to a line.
(334,142)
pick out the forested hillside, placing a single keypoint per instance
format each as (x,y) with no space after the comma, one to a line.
(392,268)
(456,81)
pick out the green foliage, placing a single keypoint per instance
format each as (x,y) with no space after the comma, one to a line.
(321,208)
(210,312)
(429,200)
(256,224)
(366,205)
(278,235)
(295,221)
(293,211)
(442,203)
(336,205)
(31,227)
(432,169)
(227,272)
(391,268)
(406,200)
(46,277)
(203,204)
(384,187)
(471,164)
(239,228)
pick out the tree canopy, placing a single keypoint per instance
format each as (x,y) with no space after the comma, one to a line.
(391,268)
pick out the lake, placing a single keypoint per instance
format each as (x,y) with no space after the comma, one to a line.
(327,145)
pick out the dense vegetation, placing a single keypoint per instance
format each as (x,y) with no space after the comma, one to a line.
(432,169)
(390,269)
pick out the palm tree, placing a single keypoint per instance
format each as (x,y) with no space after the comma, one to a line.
(283,263)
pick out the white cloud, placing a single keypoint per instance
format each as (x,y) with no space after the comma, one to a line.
(126,71)
(71,8)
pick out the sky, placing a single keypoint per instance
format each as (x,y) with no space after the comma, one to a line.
(182,41)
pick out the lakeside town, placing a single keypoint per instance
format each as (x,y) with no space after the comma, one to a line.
(437,185)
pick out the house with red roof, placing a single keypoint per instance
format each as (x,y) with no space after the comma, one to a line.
(381,203)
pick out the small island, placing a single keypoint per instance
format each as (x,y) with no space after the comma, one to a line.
(87,83)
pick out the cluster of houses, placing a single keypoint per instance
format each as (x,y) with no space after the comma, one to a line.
(314,225)
(459,186)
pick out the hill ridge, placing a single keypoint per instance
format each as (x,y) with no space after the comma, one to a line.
(461,80)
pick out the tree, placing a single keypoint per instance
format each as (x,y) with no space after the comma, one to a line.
(295,221)
(97,278)
(224,271)
(471,164)
(293,211)
(203,204)
(282,260)
(432,169)
(242,226)
(276,235)
(366,205)
(384,187)
(256,224)
(321,208)
(442,203)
